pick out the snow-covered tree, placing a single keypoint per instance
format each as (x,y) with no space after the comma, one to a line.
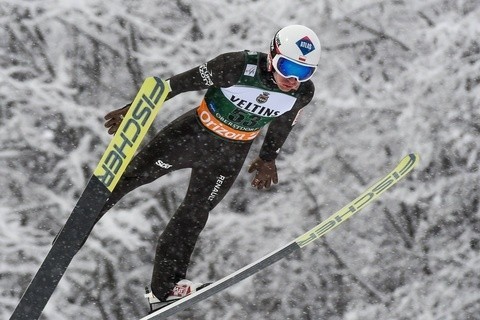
(395,77)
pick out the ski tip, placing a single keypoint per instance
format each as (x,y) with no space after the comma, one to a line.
(414,156)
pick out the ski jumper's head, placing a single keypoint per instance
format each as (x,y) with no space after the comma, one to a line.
(293,56)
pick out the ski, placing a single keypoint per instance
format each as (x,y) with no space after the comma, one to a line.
(401,170)
(115,159)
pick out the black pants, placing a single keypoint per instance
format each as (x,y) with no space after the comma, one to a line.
(215,164)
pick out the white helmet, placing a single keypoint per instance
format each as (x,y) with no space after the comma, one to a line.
(300,46)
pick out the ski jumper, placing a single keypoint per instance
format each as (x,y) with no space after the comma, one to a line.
(213,140)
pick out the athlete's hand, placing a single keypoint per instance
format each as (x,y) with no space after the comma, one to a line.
(114,118)
(266,173)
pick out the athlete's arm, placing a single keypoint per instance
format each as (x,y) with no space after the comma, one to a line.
(222,71)
(279,129)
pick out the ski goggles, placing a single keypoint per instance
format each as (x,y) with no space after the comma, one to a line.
(289,68)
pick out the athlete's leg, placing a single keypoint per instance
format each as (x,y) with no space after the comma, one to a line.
(159,157)
(208,185)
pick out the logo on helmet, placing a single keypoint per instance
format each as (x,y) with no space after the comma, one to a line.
(305,45)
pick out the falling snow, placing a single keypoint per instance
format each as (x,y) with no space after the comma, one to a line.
(395,77)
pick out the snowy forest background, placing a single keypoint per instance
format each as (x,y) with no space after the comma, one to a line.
(395,77)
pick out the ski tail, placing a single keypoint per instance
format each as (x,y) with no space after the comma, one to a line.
(401,170)
(70,239)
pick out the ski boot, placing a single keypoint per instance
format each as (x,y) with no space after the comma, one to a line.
(182,289)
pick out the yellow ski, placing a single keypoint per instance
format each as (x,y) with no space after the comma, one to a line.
(400,171)
(124,144)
